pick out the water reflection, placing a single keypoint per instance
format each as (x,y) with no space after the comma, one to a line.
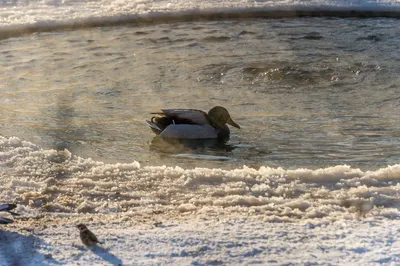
(65,129)
(207,148)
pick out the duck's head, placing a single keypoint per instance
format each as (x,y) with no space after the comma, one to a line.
(219,116)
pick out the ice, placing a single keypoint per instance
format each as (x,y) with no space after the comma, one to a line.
(60,181)
(28,16)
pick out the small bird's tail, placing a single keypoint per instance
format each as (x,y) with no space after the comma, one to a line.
(8,207)
(5,220)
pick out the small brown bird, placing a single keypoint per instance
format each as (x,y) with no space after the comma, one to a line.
(87,237)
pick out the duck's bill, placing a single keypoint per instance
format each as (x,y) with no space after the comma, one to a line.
(232,123)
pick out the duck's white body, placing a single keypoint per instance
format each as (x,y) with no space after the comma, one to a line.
(186,131)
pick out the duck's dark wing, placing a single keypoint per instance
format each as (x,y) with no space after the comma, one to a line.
(167,117)
(186,116)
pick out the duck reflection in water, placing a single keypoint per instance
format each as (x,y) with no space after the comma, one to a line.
(205,146)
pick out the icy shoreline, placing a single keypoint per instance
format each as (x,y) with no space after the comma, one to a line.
(169,215)
(54,15)
(191,241)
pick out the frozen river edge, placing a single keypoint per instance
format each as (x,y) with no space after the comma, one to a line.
(187,240)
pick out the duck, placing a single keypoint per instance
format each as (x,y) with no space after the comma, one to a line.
(191,124)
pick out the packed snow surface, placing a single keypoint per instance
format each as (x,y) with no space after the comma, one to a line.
(149,215)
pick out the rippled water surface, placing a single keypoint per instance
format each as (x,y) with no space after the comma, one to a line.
(310,92)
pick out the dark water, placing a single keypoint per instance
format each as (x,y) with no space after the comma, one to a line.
(307,92)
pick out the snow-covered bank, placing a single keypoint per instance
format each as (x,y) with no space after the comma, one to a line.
(170,215)
(20,17)
(57,181)
(182,241)
(43,12)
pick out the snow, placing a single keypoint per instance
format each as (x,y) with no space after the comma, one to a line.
(57,13)
(182,241)
(169,215)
